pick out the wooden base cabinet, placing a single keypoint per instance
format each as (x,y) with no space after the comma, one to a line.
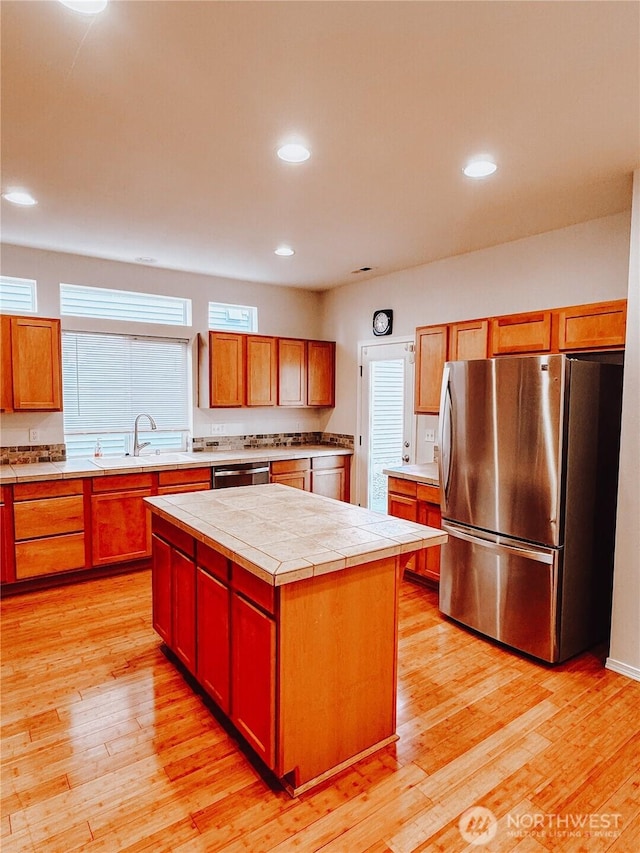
(417,502)
(292,472)
(253,676)
(119,519)
(213,640)
(48,520)
(322,475)
(306,672)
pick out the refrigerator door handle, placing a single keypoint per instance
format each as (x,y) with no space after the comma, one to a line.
(539,556)
(446,414)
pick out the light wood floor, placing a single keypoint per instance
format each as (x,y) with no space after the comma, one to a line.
(106,748)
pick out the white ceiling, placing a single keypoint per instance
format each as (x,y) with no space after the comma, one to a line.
(151,129)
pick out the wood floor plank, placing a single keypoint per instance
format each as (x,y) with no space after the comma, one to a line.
(106,749)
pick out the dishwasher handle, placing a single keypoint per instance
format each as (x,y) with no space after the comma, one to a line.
(234,472)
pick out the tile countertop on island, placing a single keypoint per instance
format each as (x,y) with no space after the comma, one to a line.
(425,473)
(95,467)
(284,535)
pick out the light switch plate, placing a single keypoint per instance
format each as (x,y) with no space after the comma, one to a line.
(430,435)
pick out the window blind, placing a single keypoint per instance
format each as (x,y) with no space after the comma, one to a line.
(105,304)
(17,295)
(108,379)
(233,318)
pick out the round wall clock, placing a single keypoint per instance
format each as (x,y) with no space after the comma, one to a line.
(382,321)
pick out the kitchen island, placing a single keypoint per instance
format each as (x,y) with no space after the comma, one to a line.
(283,606)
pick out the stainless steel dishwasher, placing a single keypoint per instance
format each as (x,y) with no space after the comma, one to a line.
(240,474)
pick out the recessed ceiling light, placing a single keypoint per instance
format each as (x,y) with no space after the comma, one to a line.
(293,152)
(284,251)
(479,168)
(21,197)
(86,7)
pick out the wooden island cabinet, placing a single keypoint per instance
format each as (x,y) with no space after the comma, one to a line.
(298,652)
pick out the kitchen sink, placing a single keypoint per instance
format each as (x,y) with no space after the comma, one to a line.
(118,461)
(138,461)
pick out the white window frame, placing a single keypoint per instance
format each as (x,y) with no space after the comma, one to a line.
(110,378)
(18,295)
(102,303)
(239,318)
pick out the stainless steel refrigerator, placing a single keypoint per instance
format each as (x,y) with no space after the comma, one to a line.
(528,481)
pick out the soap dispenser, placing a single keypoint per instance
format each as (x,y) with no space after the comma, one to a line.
(98,449)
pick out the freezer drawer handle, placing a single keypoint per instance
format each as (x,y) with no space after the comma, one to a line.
(538,556)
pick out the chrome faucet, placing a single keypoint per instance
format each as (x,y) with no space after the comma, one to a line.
(137,447)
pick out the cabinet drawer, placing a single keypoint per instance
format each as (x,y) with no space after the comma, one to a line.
(122,482)
(402,487)
(402,507)
(430,494)
(184,487)
(319,463)
(256,590)
(213,561)
(172,534)
(191,475)
(49,555)
(50,489)
(48,517)
(288,466)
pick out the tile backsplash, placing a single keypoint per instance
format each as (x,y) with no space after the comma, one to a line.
(23,455)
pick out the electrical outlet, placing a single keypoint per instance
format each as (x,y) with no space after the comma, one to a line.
(429,435)
(34,435)
(217,429)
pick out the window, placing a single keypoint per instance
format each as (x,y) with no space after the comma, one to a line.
(17,295)
(110,379)
(233,318)
(102,303)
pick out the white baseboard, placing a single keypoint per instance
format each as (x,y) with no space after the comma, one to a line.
(623,668)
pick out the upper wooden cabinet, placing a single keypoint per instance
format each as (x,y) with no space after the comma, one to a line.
(226,369)
(321,372)
(262,371)
(592,326)
(31,364)
(292,372)
(431,354)
(598,326)
(521,333)
(259,370)
(468,341)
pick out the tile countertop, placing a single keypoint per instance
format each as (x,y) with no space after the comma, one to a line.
(284,535)
(426,473)
(151,462)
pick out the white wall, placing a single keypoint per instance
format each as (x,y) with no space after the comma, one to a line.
(624,654)
(584,263)
(282,311)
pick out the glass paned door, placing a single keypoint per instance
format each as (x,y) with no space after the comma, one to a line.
(386,418)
